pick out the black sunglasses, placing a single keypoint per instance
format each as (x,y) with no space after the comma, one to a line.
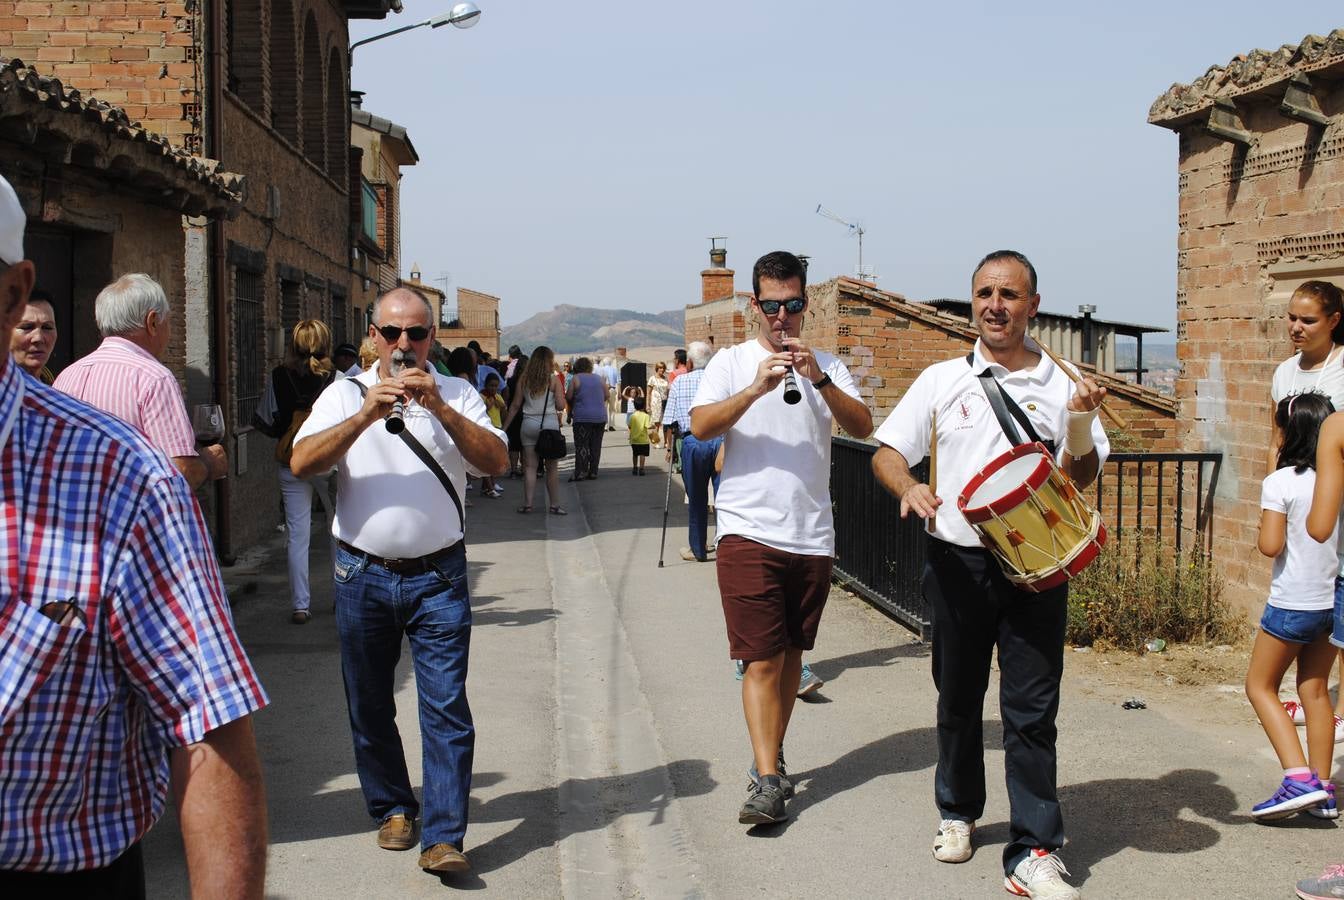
(392,333)
(792,306)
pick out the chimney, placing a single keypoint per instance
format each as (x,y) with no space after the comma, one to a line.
(357,99)
(716,282)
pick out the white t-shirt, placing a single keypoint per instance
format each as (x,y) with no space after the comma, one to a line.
(1289,378)
(969,435)
(1304,573)
(776,482)
(388,502)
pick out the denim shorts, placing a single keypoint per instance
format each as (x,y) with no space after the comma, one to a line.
(1297,626)
(1337,636)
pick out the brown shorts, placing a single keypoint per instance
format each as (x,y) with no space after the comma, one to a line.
(772,599)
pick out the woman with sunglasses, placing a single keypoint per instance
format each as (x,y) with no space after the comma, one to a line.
(288,400)
(539,399)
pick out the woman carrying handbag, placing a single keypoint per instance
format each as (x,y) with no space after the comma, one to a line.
(539,399)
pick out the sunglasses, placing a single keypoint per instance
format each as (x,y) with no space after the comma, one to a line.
(392,333)
(792,306)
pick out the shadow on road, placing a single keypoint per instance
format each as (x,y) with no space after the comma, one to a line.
(831,669)
(591,805)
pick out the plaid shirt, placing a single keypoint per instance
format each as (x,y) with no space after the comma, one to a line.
(679,399)
(90,513)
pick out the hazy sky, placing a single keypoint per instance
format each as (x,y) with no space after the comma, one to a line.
(582,152)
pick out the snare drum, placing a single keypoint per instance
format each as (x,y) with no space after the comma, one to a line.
(1033,518)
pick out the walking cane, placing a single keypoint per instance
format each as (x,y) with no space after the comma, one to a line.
(667,498)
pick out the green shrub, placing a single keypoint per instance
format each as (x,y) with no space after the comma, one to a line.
(1139,589)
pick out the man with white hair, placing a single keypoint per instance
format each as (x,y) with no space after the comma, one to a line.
(125,378)
(697,457)
(613,379)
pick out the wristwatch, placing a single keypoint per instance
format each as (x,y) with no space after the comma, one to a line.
(825,380)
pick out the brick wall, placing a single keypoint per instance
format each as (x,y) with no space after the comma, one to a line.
(139,56)
(723,320)
(1252,225)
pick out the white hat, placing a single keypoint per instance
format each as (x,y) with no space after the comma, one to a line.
(12,221)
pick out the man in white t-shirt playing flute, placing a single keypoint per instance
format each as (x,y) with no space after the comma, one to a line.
(775,537)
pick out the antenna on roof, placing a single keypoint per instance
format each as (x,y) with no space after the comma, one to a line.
(868,274)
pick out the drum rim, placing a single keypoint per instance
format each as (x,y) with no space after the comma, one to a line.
(1018,495)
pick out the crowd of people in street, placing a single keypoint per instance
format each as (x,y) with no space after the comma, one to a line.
(120,643)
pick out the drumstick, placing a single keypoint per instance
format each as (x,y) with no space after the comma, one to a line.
(1110,413)
(932,522)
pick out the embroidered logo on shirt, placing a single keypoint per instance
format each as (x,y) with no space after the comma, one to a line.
(966,408)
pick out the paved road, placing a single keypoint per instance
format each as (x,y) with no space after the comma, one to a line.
(611,751)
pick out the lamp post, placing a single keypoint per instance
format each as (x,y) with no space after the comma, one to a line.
(462,15)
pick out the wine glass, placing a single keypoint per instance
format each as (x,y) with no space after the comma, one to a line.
(207,420)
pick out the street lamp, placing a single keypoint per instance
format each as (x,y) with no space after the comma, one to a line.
(462,15)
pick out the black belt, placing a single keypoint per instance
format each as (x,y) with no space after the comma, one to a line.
(414,566)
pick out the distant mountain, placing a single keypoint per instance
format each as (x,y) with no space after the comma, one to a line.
(572,329)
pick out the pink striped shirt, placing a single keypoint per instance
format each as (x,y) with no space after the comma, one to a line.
(126,380)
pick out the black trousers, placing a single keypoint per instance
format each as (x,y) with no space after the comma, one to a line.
(121,879)
(976,610)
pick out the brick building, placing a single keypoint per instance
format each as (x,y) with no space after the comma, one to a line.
(474,318)
(103,197)
(379,149)
(1261,183)
(262,86)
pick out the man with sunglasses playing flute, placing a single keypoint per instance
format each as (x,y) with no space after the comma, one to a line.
(774,400)
(403,440)
(975,607)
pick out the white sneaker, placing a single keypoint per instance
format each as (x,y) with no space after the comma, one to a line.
(1040,876)
(1339,730)
(1295,712)
(953,843)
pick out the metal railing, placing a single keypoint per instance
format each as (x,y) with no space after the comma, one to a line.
(880,556)
(1151,492)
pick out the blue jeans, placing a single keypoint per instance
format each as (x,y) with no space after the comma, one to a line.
(374,607)
(697,468)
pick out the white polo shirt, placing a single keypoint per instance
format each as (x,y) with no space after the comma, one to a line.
(776,483)
(969,435)
(388,502)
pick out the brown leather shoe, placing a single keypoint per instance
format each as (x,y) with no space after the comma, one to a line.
(397,833)
(444,858)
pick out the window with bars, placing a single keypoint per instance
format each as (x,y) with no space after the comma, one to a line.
(291,308)
(247,323)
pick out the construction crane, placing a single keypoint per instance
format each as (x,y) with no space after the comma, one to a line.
(853,229)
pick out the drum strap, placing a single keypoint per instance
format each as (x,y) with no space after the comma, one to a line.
(1006,409)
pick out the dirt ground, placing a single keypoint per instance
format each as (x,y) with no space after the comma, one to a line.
(1193,682)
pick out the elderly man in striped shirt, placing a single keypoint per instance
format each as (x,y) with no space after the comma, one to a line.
(120,672)
(125,378)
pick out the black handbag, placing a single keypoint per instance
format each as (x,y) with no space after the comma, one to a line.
(551,441)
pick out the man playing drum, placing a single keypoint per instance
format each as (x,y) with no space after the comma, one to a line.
(975,607)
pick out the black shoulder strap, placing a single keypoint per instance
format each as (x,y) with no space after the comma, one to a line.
(1006,408)
(430,463)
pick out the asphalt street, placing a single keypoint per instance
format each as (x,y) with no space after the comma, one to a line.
(611,751)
